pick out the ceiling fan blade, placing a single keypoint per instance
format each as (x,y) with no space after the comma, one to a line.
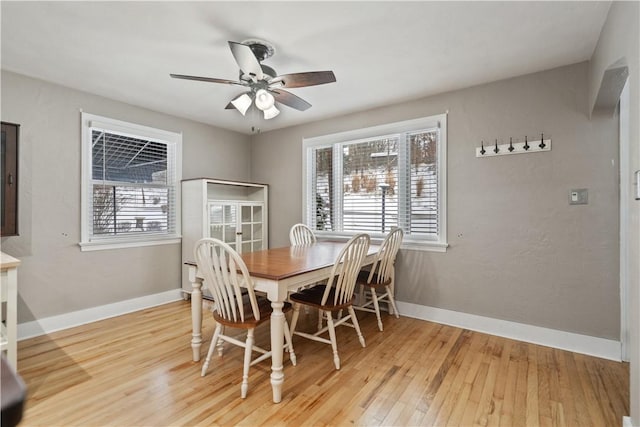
(311,78)
(207,79)
(289,99)
(246,60)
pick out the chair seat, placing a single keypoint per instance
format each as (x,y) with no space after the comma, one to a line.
(313,297)
(264,307)
(363,279)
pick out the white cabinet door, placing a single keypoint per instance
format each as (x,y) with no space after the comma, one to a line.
(223,222)
(239,224)
(251,227)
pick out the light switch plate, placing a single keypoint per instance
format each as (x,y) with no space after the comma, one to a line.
(579,196)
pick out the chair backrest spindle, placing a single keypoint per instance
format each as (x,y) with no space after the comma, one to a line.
(225,275)
(382,268)
(345,270)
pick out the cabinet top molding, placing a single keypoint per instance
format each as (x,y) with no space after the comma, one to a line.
(227,182)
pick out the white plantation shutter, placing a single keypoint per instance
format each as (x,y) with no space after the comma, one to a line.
(131,182)
(371,180)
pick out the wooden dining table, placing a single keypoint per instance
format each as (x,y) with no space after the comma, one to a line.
(275,272)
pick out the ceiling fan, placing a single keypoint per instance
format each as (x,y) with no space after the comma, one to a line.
(264,86)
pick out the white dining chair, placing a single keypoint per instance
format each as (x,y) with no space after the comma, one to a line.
(300,234)
(378,278)
(235,303)
(336,295)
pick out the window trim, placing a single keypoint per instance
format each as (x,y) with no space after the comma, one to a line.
(87,243)
(421,243)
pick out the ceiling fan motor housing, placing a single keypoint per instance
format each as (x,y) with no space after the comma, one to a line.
(261,49)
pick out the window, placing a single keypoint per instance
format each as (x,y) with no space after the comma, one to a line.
(130,186)
(370,180)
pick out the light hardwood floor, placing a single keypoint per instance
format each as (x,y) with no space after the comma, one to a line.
(136,370)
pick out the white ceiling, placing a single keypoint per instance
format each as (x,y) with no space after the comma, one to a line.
(381,52)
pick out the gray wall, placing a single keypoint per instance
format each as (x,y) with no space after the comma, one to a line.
(55,277)
(517,251)
(620,40)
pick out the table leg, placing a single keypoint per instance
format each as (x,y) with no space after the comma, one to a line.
(277,345)
(196,319)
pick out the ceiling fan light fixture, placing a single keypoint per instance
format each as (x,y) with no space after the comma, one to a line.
(270,113)
(242,103)
(264,100)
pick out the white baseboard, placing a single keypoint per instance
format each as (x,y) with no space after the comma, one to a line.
(593,346)
(626,422)
(82,317)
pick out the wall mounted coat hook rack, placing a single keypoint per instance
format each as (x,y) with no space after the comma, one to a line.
(515,147)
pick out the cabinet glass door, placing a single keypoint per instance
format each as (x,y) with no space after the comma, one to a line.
(257,228)
(252,227)
(223,222)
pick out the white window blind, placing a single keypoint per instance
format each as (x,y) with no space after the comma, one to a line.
(131,183)
(370,185)
(370,181)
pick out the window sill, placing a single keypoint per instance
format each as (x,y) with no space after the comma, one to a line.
(122,244)
(412,245)
(425,246)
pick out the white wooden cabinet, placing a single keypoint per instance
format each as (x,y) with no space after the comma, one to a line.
(234,212)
